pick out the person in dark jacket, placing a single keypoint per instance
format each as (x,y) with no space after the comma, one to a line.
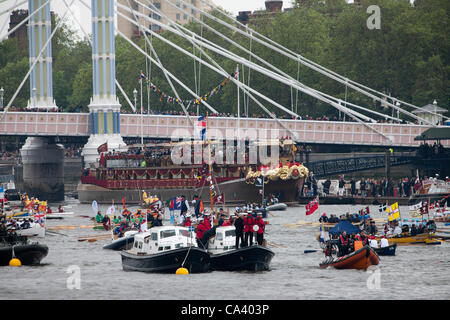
(239,225)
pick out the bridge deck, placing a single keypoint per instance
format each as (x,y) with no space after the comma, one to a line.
(164,126)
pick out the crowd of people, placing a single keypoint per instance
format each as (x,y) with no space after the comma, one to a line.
(403,187)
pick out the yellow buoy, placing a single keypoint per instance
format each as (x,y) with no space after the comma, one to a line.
(182,271)
(14,262)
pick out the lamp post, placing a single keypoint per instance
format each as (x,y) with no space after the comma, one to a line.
(135,99)
(34,97)
(2,91)
(398,111)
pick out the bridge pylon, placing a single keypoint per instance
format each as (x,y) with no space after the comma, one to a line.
(104,108)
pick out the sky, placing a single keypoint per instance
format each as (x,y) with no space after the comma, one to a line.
(83,14)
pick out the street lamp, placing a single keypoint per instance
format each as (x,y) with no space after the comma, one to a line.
(34,97)
(135,99)
(398,110)
(2,91)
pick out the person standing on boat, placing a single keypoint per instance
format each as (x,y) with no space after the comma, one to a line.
(249,222)
(261,227)
(343,244)
(201,228)
(239,225)
(60,208)
(187,222)
(184,205)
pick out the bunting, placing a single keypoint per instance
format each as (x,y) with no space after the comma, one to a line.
(169,99)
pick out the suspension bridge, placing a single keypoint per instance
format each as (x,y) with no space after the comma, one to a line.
(106,123)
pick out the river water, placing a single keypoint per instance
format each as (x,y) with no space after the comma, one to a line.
(416,272)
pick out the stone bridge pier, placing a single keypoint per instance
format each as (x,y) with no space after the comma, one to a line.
(43,168)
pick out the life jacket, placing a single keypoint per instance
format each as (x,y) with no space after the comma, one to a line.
(343,240)
(249,222)
(226,223)
(187,222)
(261,224)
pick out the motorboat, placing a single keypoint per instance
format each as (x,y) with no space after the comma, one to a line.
(165,249)
(122,243)
(27,253)
(226,257)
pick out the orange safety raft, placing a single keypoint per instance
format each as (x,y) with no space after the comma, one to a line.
(360,259)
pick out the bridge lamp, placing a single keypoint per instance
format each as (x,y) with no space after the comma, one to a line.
(398,111)
(34,96)
(2,91)
(135,99)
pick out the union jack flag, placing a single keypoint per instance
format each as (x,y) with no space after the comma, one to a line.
(39,218)
(142,76)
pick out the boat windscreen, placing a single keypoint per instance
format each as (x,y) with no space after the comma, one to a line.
(167,234)
(230,233)
(185,233)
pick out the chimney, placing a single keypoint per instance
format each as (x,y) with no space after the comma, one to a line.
(273,6)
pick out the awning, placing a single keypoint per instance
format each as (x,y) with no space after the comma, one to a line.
(442,133)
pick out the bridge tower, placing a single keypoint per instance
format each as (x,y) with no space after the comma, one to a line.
(104,107)
(42,158)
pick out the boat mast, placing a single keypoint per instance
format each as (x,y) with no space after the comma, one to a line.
(209,162)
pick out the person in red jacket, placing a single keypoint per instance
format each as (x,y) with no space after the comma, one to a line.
(261,226)
(201,228)
(187,222)
(249,222)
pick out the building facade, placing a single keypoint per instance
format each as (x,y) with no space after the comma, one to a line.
(178,11)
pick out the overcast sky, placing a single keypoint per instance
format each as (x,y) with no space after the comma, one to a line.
(83,15)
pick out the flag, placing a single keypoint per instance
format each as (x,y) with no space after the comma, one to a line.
(142,76)
(312,206)
(39,218)
(220,198)
(424,207)
(123,202)
(2,194)
(94,207)
(201,206)
(103,148)
(175,203)
(382,208)
(144,226)
(201,123)
(394,212)
(414,210)
(236,74)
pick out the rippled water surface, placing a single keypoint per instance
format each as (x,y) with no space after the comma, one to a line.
(416,272)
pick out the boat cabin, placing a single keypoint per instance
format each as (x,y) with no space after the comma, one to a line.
(164,238)
(224,240)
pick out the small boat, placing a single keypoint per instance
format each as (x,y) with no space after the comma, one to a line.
(123,243)
(225,256)
(360,259)
(386,251)
(165,249)
(404,240)
(277,207)
(36,230)
(27,253)
(58,215)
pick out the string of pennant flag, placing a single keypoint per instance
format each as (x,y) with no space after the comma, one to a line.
(169,99)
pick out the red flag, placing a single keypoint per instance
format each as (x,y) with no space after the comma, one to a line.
(123,202)
(312,206)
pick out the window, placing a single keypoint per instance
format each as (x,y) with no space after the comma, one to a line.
(230,233)
(157,5)
(219,236)
(167,234)
(185,17)
(167,248)
(154,236)
(178,16)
